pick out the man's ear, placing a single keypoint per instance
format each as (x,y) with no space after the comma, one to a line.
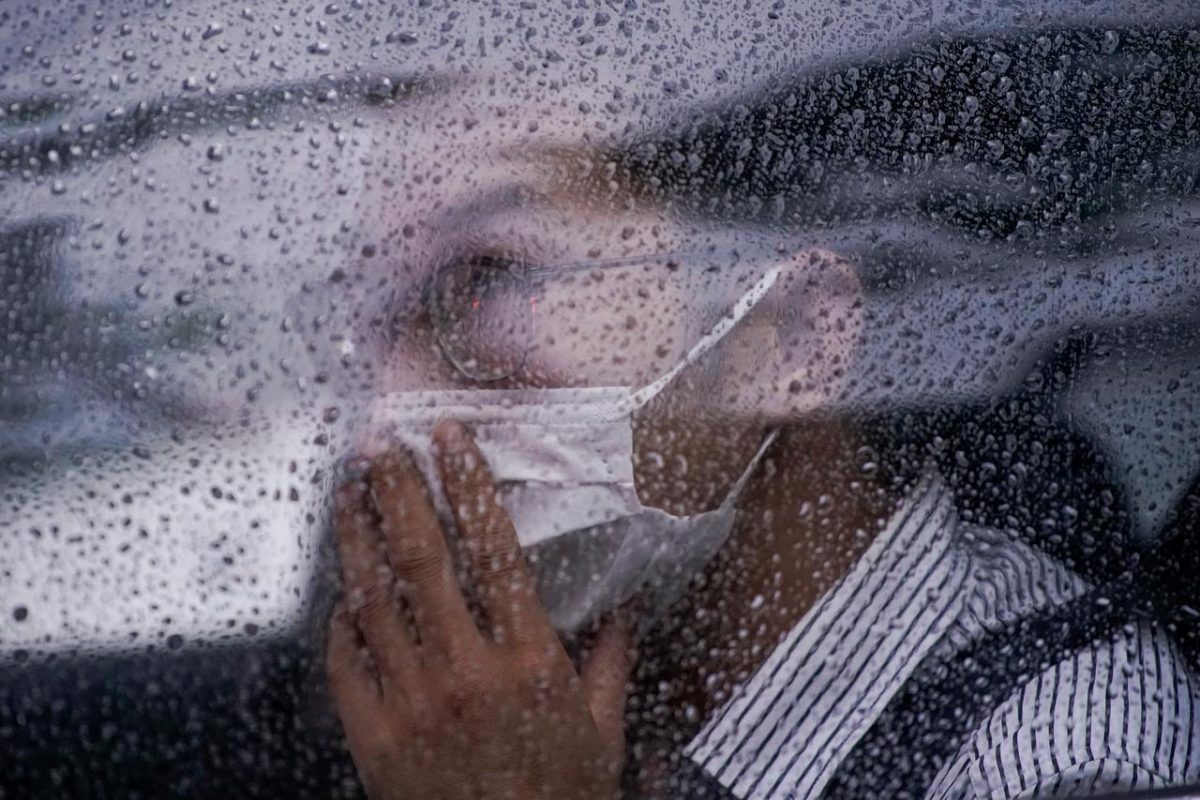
(783,360)
(790,355)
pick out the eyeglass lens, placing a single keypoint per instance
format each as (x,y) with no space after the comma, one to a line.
(482,311)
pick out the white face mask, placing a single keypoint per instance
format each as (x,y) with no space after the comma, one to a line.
(563,464)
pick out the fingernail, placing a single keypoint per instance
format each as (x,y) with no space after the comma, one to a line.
(350,477)
(450,434)
(396,458)
(348,494)
(353,468)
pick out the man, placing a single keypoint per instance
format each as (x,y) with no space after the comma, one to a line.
(983,642)
(176,175)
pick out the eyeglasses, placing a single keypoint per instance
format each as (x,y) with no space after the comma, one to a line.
(484,308)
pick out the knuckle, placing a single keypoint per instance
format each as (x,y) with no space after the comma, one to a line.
(539,684)
(469,690)
(374,601)
(463,698)
(380,746)
(461,651)
(496,555)
(427,724)
(540,671)
(417,561)
(423,707)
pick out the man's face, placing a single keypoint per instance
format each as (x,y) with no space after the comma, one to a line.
(248,260)
(475,199)
(623,322)
(622,290)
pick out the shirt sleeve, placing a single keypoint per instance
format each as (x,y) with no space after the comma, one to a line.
(1121,714)
(1101,777)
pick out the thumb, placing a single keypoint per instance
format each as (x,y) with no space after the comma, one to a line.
(605,675)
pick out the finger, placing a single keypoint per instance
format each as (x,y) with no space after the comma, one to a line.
(373,601)
(354,688)
(504,587)
(605,677)
(416,549)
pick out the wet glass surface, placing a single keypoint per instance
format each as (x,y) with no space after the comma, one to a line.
(667,259)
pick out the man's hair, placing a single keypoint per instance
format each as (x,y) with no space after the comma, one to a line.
(1003,137)
(1035,141)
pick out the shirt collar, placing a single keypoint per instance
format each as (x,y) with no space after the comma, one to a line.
(786,730)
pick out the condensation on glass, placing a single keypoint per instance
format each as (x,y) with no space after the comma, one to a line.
(811,255)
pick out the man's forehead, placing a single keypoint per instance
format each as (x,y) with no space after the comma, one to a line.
(533,221)
(457,164)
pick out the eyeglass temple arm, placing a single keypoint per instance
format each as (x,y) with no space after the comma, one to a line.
(580,266)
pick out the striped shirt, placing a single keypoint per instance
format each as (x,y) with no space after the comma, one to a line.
(831,711)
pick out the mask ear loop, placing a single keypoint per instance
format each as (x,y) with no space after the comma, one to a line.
(745,304)
(744,478)
(741,308)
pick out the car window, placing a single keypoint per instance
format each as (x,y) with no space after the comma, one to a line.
(849,351)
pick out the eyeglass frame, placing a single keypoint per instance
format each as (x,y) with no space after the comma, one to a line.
(530,277)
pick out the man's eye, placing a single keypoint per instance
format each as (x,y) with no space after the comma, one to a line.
(482,313)
(475,287)
(490,274)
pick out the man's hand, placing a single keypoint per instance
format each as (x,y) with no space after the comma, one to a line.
(438,702)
